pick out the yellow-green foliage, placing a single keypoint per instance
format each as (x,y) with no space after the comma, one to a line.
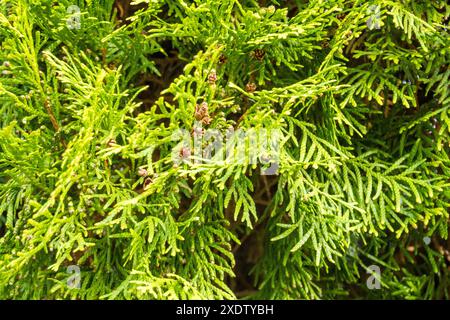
(358,90)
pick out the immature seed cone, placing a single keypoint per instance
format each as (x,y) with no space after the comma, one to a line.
(212,77)
(206,120)
(201,111)
(222,59)
(142,172)
(185,152)
(147,183)
(111,143)
(259,54)
(250,87)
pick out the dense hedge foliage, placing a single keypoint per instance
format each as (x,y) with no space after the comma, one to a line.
(95,205)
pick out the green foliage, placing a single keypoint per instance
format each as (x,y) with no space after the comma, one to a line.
(88,179)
